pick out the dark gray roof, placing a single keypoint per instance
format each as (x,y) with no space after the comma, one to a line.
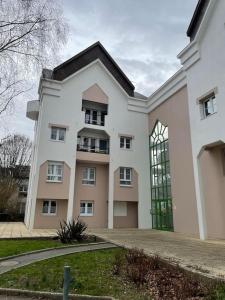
(85,57)
(197,18)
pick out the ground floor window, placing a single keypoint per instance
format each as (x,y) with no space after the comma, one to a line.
(86,208)
(49,207)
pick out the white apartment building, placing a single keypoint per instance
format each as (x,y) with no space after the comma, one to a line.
(119,159)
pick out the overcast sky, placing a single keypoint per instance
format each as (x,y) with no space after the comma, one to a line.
(143,36)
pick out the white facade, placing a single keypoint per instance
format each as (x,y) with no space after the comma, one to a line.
(60,103)
(202,73)
(204,62)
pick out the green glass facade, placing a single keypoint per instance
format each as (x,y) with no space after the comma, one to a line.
(161,208)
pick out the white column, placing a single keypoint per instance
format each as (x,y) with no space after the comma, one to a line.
(199,196)
(110,197)
(70,206)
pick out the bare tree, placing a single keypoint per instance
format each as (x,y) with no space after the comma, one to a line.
(31,34)
(15,155)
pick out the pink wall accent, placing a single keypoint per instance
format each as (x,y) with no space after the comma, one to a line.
(92,157)
(213,182)
(174,113)
(53,190)
(96,94)
(97,193)
(47,221)
(126,193)
(131,220)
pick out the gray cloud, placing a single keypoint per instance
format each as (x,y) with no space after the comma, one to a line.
(143,36)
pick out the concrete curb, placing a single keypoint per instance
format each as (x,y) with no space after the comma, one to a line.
(49,295)
(48,249)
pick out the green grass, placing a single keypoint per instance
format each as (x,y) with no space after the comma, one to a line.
(92,272)
(13,247)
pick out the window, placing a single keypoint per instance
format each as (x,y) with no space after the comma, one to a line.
(125,176)
(58,134)
(125,142)
(55,171)
(209,106)
(23,188)
(161,197)
(88,176)
(120,209)
(49,207)
(86,208)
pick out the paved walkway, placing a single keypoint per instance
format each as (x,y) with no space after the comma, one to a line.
(26,259)
(204,256)
(19,230)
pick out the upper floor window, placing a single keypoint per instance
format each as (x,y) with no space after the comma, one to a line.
(125,176)
(58,133)
(125,142)
(209,106)
(55,171)
(88,176)
(49,207)
(207,103)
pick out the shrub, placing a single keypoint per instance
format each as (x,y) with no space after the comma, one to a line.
(72,231)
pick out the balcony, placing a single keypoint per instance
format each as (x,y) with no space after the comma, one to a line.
(93,146)
(94,113)
(32,109)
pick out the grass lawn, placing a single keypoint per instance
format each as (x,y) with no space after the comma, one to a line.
(13,247)
(92,272)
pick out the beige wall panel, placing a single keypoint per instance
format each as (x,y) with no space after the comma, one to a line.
(53,190)
(97,193)
(213,181)
(125,193)
(131,220)
(47,221)
(95,94)
(174,113)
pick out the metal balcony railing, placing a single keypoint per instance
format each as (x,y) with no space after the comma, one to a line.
(94,121)
(93,149)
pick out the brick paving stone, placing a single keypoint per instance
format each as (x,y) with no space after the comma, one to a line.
(207,256)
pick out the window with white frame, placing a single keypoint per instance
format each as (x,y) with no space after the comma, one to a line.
(125,176)
(208,106)
(88,176)
(86,208)
(49,207)
(55,171)
(58,133)
(125,142)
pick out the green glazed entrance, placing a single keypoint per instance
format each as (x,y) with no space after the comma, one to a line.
(161,208)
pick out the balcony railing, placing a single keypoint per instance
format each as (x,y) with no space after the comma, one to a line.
(92,149)
(89,120)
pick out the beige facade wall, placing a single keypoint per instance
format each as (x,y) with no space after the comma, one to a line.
(50,221)
(53,190)
(125,193)
(92,157)
(98,194)
(95,94)
(174,113)
(213,183)
(129,221)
